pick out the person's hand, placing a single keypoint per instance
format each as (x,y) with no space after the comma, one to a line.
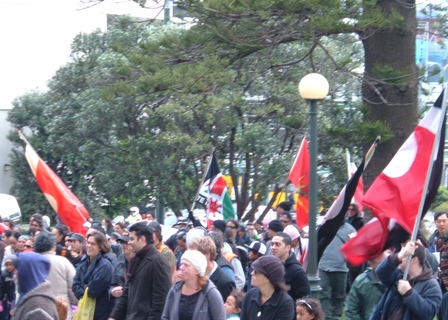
(190,215)
(117,292)
(403,286)
(408,249)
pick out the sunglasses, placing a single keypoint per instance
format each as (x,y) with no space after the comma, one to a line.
(28,246)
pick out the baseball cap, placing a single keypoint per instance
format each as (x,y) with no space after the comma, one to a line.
(124,237)
(292,232)
(77,237)
(155,227)
(258,247)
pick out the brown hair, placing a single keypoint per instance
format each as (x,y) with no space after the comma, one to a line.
(205,245)
(100,240)
(239,297)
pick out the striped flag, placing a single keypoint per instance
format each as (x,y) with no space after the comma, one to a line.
(67,206)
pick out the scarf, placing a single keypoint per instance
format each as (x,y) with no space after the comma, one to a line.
(137,259)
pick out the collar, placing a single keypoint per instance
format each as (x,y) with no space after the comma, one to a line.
(273,300)
(215,266)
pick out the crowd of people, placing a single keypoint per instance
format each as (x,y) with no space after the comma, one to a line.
(233,270)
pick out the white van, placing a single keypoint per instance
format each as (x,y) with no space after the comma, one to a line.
(9,208)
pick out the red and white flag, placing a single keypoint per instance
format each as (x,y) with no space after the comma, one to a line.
(300,177)
(67,206)
(395,195)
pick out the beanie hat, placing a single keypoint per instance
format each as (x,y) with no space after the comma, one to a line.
(220,225)
(275,225)
(285,205)
(272,268)
(292,232)
(197,260)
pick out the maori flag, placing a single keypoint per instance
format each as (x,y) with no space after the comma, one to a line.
(67,206)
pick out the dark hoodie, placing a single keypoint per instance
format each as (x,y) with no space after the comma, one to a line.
(296,278)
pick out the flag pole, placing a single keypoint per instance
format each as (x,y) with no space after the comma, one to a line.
(347,156)
(428,176)
(370,152)
(203,178)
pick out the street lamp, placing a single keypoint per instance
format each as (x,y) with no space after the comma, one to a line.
(313,87)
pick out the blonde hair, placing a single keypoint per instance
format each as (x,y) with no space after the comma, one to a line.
(205,245)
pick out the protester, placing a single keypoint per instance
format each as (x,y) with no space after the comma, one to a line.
(309,309)
(62,271)
(298,244)
(76,249)
(194,297)
(256,250)
(8,287)
(134,216)
(283,207)
(295,276)
(36,300)
(233,304)
(365,292)
(122,267)
(419,297)
(156,230)
(268,300)
(95,272)
(106,223)
(333,272)
(149,279)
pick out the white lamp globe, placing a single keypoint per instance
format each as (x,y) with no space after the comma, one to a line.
(313,86)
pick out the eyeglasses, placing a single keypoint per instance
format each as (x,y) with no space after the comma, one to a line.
(285,221)
(351,209)
(305,303)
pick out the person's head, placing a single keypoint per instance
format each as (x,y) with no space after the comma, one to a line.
(133,211)
(32,270)
(44,242)
(140,236)
(268,268)
(219,225)
(9,263)
(233,225)
(286,219)
(283,207)
(96,243)
(119,227)
(373,263)
(150,216)
(96,228)
(417,261)
(234,302)
(309,309)
(156,230)
(258,226)
(353,210)
(123,240)
(194,233)
(75,242)
(13,241)
(218,239)
(205,245)
(281,246)
(107,223)
(294,234)
(241,231)
(8,223)
(59,233)
(441,220)
(29,244)
(6,234)
(251,229)
(256,250)
(182,239)
(36,222)
(21,243)
(193,265)
(273,227)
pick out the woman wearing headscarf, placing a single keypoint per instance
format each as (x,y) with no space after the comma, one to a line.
(36,300)
(95,272)
(268,300)
(194,297)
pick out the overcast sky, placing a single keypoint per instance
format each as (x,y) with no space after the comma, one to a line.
(35,37)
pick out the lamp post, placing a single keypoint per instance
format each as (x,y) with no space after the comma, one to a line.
(313,87)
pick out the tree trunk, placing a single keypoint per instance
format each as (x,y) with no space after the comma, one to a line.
(390,84)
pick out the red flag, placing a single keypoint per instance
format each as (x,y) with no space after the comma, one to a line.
(397,192)
(67,206)
(299,176)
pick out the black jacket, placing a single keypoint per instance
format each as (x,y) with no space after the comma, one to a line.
(357,222)
(222,282)
(144,295)
(279,307)
(296,278)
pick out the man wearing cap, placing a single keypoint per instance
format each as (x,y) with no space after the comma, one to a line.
(75,245)
(149,279)
(298,244)
(134,216)
(161,247)
(273,227)
(121,269)
(256,251)
(295,276)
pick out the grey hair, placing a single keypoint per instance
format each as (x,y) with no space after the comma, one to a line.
(44,242)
